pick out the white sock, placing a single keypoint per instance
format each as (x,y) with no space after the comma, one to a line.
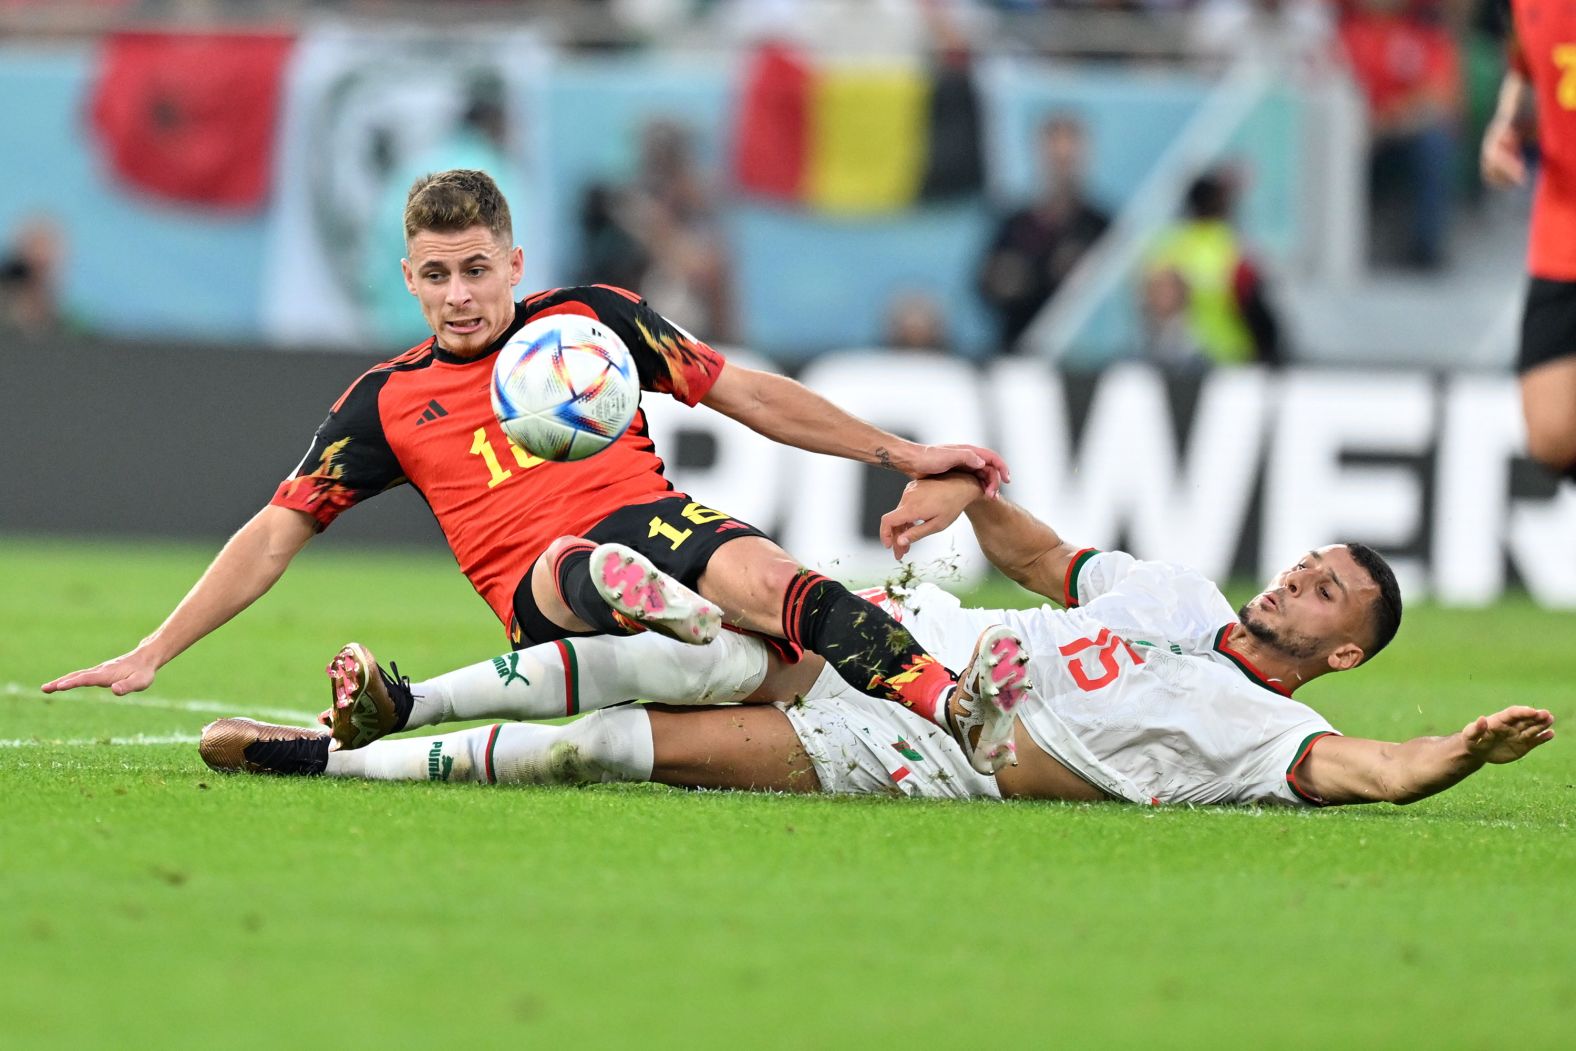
(459,756)
(609,745)
(612,745)
(555,679)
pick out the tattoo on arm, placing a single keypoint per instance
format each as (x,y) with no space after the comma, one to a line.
(884,458)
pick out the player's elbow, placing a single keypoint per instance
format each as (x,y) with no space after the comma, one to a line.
(742,394)
(1024,572)
(1046,572)
(279,533)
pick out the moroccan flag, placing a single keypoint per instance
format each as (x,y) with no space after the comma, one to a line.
(855,139)
(191,117)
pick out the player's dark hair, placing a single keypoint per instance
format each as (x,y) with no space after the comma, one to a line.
(1385,615)
(454,200)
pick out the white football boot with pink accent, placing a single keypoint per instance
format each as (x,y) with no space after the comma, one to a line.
(993,684)
(633,587)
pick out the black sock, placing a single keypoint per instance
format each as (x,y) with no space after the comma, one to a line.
(872,652)
(572,574)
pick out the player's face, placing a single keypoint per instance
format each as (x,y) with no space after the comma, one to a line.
(1318,607)
(465,282)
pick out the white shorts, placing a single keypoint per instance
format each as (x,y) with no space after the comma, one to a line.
(862,746)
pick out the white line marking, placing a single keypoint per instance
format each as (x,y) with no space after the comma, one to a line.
(141,700)
(77,742)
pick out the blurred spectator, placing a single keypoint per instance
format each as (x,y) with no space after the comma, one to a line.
(29,280)
(1407,66)
(1224,29)
(660,236)
(1164,306)
(613,255)
(1034,248)
(902,27)
(1229,317)
(914,321)
(479,139)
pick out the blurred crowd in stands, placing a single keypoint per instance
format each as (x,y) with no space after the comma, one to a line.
(30,280)
(1426,69)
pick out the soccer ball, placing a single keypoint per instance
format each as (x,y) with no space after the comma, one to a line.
(564,387)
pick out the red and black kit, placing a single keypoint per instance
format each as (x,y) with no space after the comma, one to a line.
(425,418)
(677,534)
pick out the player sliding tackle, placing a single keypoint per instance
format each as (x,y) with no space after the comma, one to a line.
(1152,690)
(605,545)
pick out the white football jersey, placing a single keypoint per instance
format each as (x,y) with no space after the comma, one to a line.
(1138,687)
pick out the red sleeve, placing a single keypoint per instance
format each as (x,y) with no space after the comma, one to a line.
(349,459)
(668,359)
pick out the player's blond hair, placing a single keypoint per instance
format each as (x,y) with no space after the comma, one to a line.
(454,200)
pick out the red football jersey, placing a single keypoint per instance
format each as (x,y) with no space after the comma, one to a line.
(1545,53)
(426,418)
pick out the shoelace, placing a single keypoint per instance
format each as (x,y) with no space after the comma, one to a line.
(396,680)
(399,689)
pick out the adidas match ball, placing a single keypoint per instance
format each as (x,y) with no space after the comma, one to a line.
(564,387)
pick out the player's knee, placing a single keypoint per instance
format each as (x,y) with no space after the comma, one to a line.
(749,578)
(558,548)
(544,571)
(767,585)
(613,744)
(771,577)
(1552,443)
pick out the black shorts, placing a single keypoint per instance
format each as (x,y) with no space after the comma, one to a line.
(676,533)
(1548,323)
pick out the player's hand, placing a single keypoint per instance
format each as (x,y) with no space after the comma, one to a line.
(1506,736)
(125,674)
(927,461)
(1500,161)
(929,505)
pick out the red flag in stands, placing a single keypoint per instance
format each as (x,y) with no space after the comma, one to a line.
(191,117)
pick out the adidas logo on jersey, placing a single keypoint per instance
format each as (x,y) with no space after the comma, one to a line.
(433,411)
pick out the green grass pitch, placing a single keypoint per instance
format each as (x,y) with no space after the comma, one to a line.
(149,902)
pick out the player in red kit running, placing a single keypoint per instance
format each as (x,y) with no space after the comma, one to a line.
(1543,61)
(602,545)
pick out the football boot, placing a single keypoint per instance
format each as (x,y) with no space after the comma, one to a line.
(637,590)
(991,686)
(236,746)
(366,702)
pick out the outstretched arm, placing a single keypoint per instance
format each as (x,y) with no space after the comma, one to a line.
(1020,545)
(791,413)
(247,566)
(1354,770)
